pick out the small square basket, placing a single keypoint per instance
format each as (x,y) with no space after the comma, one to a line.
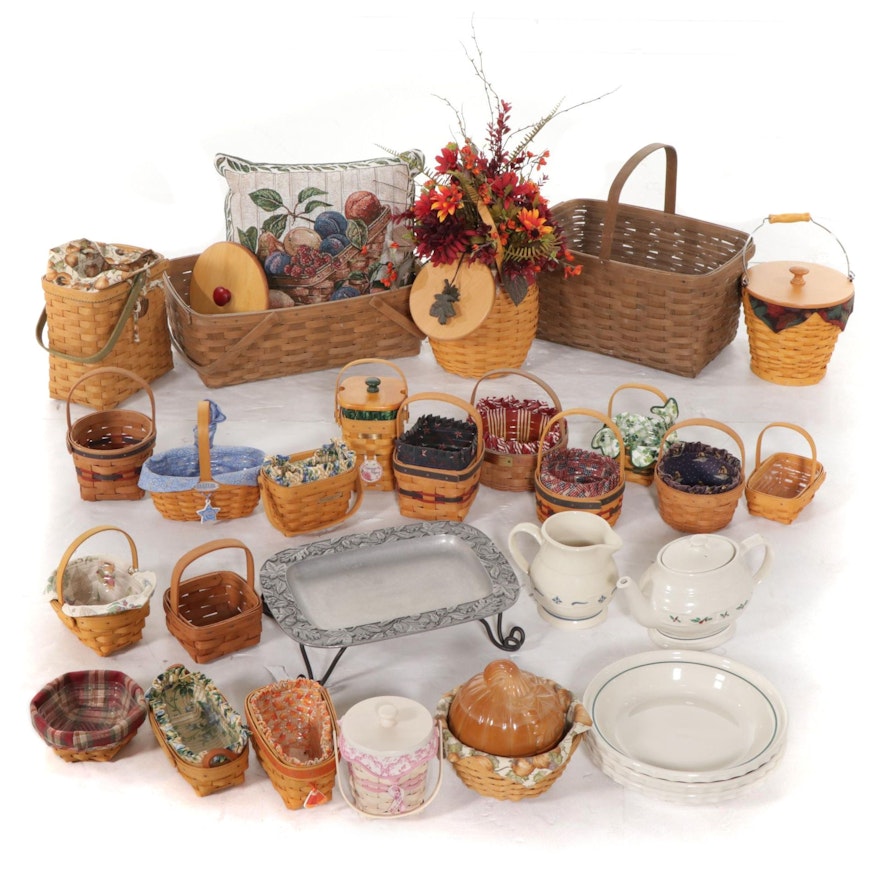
(784,483)
(216,613)
(89,715)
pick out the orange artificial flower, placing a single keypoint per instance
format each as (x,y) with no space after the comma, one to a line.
(445,200)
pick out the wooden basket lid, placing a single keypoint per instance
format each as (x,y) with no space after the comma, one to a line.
(472,283)
(798,285)
(233,266)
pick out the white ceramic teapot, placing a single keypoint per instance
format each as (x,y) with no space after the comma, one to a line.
(693,593)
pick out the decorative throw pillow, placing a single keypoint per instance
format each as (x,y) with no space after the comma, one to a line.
(325,224)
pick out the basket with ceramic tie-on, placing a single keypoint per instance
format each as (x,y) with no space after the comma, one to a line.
(105,306)
(784,483)
(109,447)
(204,738)
(292,723)
(89,715)
(575,478)
(437,460)
(641,433)
(699,485)
(103,601)
(366,410)
(203,482)
(217,612)
(310,491)
(512,428)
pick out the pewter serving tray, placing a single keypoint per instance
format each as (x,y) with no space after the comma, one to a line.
(387,583)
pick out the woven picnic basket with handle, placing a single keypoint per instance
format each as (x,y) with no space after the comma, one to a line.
(292,724)
(572,478)
(699,485)
(655,287)
(204,738)
(366,410)
(310,491)
(437,460)
(512,429)
(122,325)
(248,346)
(109,447)
(784,483)
(215,613)
(203,482)
(102,601)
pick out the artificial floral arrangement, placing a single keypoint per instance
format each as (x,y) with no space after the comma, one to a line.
(485,202)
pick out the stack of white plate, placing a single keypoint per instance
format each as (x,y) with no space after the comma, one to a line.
(684,726)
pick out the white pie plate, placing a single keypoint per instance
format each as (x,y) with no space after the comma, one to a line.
(680,792)
(685,716)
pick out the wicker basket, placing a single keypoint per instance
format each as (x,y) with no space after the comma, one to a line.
(512,779)
(216,613)
(641,474)
(106,612)
(568,478)
(655,288)
(89,715)
(795,313)
(124,325)
(436,493)
(204,483)
(315,504)
(246,347)
(366,410)
(699,486)
(512,428)
(784,483)
(502,340)
(202,736)
(292,724)
(109,447)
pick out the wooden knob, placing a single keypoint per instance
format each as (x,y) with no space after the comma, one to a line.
(798,272)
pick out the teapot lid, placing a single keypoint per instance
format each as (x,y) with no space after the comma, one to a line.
(697,554)
(387,726)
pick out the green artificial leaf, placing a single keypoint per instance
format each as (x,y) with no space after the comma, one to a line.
(443,307)
(249,238)
(356,231)
(516,286)
(276,224)
(267,199)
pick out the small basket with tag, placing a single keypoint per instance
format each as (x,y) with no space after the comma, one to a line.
(366,410)
(104,602)
(203,482)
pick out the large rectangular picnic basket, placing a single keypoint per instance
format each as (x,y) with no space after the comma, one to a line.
(249,346)
(655,287)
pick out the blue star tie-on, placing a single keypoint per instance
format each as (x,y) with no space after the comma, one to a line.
(208,513)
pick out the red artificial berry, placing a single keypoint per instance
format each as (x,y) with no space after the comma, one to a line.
(222,296)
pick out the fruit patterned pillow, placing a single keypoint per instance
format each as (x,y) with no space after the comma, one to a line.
(308,223)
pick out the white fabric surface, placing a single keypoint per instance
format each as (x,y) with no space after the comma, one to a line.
(766,109)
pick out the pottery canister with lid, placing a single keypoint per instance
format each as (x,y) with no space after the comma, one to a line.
(366,410)
(794,312)
(388,743)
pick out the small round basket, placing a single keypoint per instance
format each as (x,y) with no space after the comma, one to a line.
(512,779)
(699,486)
(89,715)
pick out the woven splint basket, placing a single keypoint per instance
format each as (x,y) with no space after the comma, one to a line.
(655,287)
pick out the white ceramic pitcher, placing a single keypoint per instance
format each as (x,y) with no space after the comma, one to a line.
(573,572)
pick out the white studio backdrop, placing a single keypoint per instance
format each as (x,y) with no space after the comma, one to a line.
(114,114)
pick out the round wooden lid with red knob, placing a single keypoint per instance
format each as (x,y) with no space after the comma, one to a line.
(227,278)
